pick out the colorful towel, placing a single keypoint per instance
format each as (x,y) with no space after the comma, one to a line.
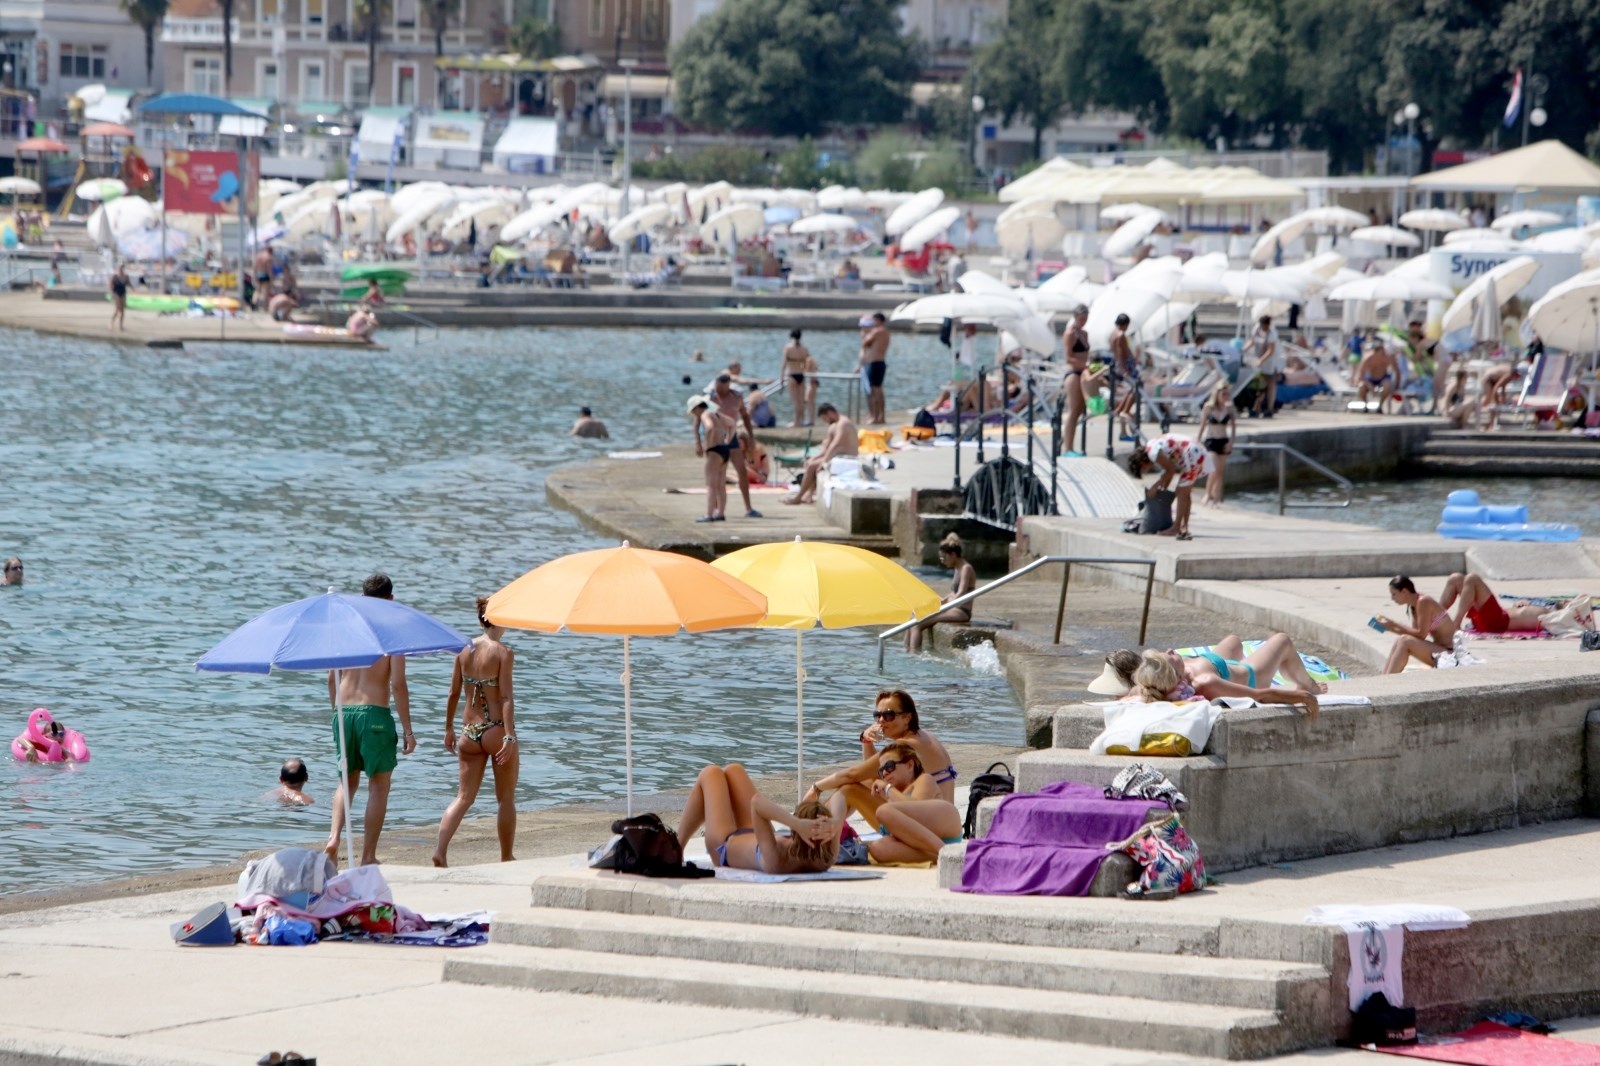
(1493,1044)
(1049,843)
(1319,670)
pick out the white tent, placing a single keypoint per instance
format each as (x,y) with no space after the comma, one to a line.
(449,139)
(528,146)
(380,127)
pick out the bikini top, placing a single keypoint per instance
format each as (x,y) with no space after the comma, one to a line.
(1224,420)
(1080,345)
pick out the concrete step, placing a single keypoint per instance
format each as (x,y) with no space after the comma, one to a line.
(1552,445)
(1065,923)
(1512,466)
(1121,1021)
(1510,436)
(1255,983)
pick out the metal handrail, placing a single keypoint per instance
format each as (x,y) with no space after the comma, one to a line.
(1284,451)
(1061,605)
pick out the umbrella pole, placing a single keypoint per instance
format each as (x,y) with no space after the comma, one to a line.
(627,720)
(344,775)
(799,715)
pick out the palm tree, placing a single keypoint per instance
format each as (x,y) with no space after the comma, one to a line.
(147,15)
(371,14)
(437,12)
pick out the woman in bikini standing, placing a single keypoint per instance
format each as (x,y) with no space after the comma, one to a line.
(1218,424)
(1430,634)
(1075,343)
(488,734)
(798,367)
(721,441)
(895,720)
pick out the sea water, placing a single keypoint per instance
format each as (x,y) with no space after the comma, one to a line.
(161,498)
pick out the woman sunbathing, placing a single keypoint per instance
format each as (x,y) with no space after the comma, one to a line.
(905,804)
(1430,634)
(1166,675)
(895,719)
(1478,603)
(738,822)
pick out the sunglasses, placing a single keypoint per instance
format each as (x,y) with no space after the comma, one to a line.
(887,768)
(14,569)
(888,716)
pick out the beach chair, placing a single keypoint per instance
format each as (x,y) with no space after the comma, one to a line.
(1182,398)
(1544,389)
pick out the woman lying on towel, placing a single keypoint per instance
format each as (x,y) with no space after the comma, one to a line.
(738,822)
(1166,675)
(1475,601)
(905,806)
(894,720)
(1430,634)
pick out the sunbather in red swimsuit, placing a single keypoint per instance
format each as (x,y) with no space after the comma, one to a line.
(1489,617)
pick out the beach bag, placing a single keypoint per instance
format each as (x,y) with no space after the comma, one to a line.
(647,847)
(1379,1022)
(1170,861)
(923,420)
(983,786)
(1576,617)
(1158,511)
(1590,641)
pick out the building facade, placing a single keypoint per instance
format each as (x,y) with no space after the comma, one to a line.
(53,48)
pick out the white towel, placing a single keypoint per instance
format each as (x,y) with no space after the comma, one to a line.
(1417,917)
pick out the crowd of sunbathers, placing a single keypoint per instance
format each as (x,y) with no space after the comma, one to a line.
(903,788)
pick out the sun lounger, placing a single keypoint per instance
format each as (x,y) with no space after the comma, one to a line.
(1544,389)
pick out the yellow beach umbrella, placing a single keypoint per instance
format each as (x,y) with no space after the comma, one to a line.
(835,586)
(627,592)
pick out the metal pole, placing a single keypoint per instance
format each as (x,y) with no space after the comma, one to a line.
(1527,98)
(957,448)
(982,384)
(627,147)
(1149,587)
(1061,604)
(1283,477)
(1111,416)
(1030,423)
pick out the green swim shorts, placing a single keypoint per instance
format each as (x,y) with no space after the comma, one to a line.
(370,741)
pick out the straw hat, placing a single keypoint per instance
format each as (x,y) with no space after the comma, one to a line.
(1109,683)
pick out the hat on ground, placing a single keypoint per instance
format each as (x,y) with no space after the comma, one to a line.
(209,928)
(697,400)
(1109,683)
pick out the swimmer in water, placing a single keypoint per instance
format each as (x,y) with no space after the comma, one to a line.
(292,777)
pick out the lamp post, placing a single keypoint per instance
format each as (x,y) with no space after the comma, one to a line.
(978,104)
(627,66)
(1407,117)
(1535,114)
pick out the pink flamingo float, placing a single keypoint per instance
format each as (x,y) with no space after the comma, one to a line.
(45,740)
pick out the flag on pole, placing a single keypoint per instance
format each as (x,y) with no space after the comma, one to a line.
(1514,105)
(355,161)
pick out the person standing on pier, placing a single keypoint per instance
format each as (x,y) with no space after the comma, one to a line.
(119,298)
(731,406)
(874,364)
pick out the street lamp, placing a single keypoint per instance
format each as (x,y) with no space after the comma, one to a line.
(1535,114)
(627,66)
(978,104)
(1407,117)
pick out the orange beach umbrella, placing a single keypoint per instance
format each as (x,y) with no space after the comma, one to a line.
(627,592)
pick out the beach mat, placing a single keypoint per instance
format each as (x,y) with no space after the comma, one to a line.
(1493,1044)
(754,489)
(759,877)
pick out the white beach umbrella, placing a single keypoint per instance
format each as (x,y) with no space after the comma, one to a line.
(116,218)
(1334,217)
(1569,240)
(884,199)
(1418,266)
(1138,304)
(1160,275)
(913,211)
(1034,205)
(1568,316)
(1032,332)
(929,229)
(97,189)
(1123,212)
(672,194)
(1164,321)
(823,224)
(1066,290)
(422,211)
(1280,236)
(1128,236)
(1526,220)
(1433,218)
(1029,234)
(839,198)
(482,214)
(14,186)
(735,220)
(1392,236)
(1503,282)
(1476,233)
(1259,284)
(967,306)
(640,220)
(1383,288)
(981,282)
(1486,324)
(532,221)
(408,196)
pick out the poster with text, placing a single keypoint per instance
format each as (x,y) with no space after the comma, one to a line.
(208,183)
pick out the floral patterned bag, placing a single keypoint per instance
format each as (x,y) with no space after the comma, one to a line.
(1170,860)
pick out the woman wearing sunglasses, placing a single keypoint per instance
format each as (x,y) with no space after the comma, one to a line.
(905,805)
(895,720)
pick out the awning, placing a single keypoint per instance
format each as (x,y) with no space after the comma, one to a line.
(645,86)
(511,61)
(115,105)
(449,138)
(322,110)
(238,125)
(380,126)
(528,146)
(1541,165)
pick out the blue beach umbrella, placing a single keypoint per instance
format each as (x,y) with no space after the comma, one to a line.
(780,215)
(332,632)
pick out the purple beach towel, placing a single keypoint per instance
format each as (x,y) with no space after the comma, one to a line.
(1049,843)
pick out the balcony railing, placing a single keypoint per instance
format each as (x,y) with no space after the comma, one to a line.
(208,31)
(195,31)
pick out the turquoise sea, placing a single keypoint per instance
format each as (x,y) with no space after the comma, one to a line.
(161,498)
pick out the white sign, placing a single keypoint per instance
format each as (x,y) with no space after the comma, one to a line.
(1458,269)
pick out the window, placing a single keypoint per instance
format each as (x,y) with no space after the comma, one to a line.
(405,86)
(204,75)
(83,61)
(313,11)
(405,13)
(267,79)
(267,11)
(652,20)
(357,92)
(532,9)
(313,86)
(597,18)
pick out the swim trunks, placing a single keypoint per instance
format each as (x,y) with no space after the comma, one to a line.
(371,743)
(1490,617)
(875,371)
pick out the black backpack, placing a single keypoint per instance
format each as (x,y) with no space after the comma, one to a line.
(649,848)
(983,786)
(1380,1023)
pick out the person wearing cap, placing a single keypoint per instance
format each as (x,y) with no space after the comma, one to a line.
(874,363)
(731,406)
(1117,677)
(719,447)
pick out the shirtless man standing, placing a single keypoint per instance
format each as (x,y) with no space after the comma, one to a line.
(369,736)
(731,404)
(1377,370)
(840,440)
(874,360)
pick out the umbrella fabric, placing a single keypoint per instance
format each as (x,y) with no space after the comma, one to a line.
(967,306)
(823,224)
(19,187)
(1393,236)
(1507,280)
(1280,235)
(1123,212)
(1526,220)
(913,211)
(1384,287)
(1568,316)
(929,229)
(1433,218)
(638,221)
(835,586)
(1475,233)
(194,104)
(329,632)
(42,144)
(1017,234)
(144,245)
(1128,236)
(1486,316)
(627,592)
(101,189)
(1334,217)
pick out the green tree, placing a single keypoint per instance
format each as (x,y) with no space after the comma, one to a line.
(437,14)
(370,14)
(1225,69)
(536,38)
(1023,72)
(1337,73)
(147,15)
(792,67)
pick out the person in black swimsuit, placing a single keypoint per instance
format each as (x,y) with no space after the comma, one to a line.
(119,297)
(720,442)
(1218,424)
(1073,394)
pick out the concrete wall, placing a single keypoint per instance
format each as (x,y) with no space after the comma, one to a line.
(1421,762)
(1364,450)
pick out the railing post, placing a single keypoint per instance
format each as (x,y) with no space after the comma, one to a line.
(1111,416)
(1149,587)
(1283,477)
(957,448)
(1061,604)
(983,381)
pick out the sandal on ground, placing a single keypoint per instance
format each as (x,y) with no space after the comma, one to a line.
(708,518)
(752,513)
(1185,536)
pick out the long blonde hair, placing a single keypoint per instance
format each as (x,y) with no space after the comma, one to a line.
(813,854)
(1156,677)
